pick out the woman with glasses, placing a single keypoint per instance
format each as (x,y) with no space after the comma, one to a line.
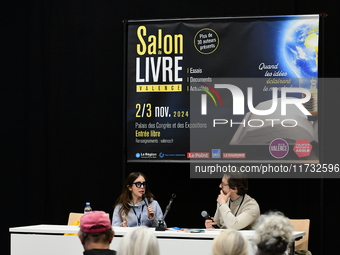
(130,209)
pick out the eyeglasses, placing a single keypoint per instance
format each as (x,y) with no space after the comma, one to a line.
(140,184)
(224,184)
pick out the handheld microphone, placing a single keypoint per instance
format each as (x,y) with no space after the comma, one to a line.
(146,203)
(207,217)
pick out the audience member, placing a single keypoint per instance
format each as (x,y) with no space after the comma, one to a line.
(96,233)
(273,234)
(139,241)
(230,242)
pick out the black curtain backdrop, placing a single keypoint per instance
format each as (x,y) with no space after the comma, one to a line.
(62,114)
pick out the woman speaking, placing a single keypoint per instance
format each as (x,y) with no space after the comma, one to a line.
(136,205)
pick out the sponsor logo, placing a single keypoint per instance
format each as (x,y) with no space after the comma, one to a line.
(198,155)
(278,148)
(302,148)
(216,153)
(146,155)
(234,155)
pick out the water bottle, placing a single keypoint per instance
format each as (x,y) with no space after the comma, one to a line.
(87,208)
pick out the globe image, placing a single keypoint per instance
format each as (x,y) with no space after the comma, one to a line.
(301,48)
(301,54)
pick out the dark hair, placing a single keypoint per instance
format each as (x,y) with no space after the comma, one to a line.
(101,237)
(126,197)
(273,246)
(237,180)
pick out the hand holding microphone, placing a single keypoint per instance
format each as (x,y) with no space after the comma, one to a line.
(149,208)
(209,221)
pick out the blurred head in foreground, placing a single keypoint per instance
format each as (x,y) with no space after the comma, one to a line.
(139,241)
(95,231)
(230,242)
(273,234)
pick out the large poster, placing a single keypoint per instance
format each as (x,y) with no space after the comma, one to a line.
(223,90)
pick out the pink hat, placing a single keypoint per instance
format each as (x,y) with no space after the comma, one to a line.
(95,218)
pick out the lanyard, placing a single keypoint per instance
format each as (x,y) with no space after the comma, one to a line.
(138,216)
(238,206)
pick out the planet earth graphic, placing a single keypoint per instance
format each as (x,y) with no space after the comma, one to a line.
(301,48)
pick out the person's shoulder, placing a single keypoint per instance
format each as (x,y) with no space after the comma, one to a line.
(249,200)
(117,209)
(153,201)
(251,206)
(118,206)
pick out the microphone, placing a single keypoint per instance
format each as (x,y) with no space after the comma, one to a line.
(207,217)
(146,203)
(167,209)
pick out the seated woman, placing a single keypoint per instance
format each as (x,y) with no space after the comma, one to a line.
(230,242)
(130,209)
(273,234)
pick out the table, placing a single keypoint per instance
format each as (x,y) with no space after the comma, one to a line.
(50,239)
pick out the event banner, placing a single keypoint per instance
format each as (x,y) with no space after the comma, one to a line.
(242,89)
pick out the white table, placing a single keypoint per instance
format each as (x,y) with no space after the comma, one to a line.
(50,239)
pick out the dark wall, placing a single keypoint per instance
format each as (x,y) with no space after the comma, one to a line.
(61,105)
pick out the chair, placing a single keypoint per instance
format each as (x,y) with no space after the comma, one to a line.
(73,218)
(301,225)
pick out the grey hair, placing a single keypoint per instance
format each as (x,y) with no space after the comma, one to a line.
(139,241)
(230,242)
(273,233)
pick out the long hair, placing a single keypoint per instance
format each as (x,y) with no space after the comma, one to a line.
(230,242)
(139,241)
(126,195)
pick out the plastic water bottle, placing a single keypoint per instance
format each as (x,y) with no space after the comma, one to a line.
(87,208)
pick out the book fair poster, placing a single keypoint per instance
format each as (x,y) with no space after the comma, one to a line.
(239,90)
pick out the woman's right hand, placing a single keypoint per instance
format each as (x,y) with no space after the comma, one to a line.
(124,223)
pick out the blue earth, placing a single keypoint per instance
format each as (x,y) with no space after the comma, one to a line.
(301,48)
